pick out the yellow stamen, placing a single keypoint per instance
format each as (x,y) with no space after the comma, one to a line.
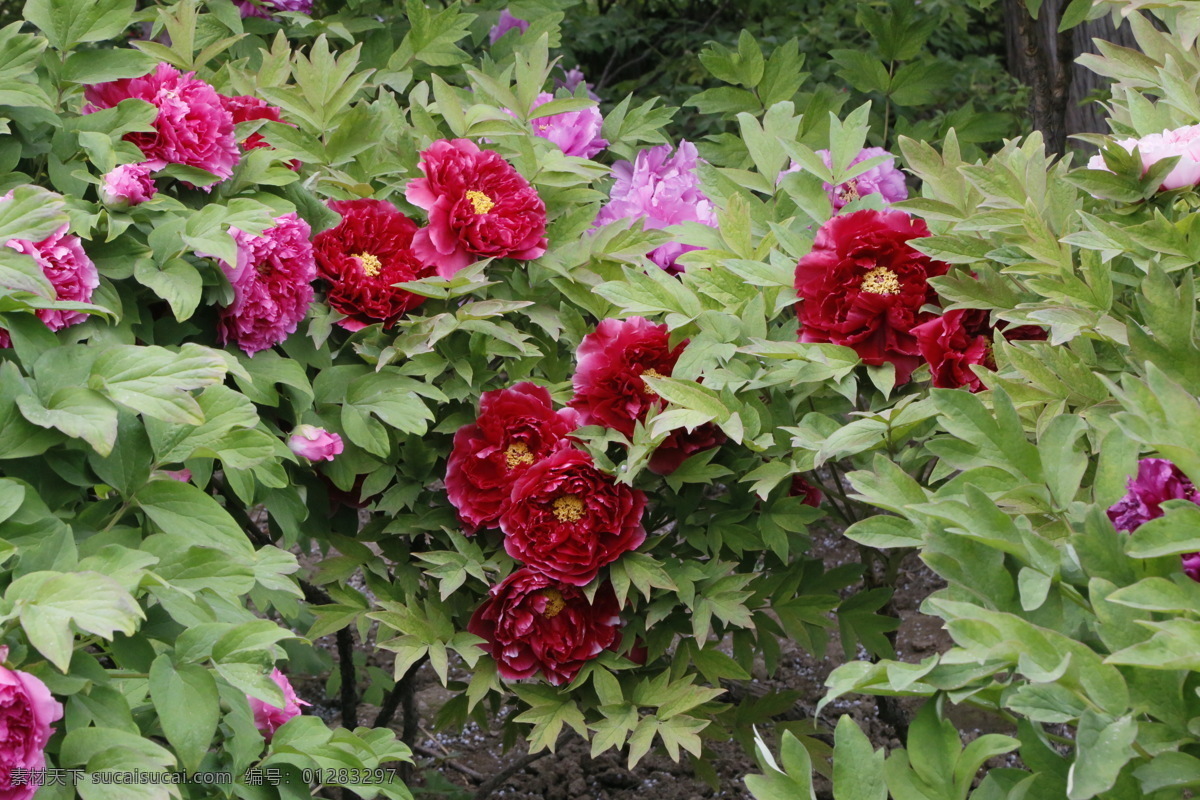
(850,191)
(516,455)
(653,373)
(881,280)
(568,508)
(554,603)
(370,264)
(480,201)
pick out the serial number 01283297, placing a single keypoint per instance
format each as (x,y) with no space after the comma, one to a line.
(347,776)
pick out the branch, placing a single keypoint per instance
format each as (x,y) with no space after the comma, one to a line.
(496,781)
(345,646)
(392,701)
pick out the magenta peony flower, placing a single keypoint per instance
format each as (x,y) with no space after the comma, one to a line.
(269,718)
(661,191)
(182,475)
(1157,481)
(571,81)
(506,23)
(69,270)
(1183,142)
(272,285)
(315,444)
(127,185)
(26,710)
(577,133)
(884,180)
(192,128)
(263,8)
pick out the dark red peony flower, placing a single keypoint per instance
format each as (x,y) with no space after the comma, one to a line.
(954,341)
(479,207)
(567,519)
(533,623)
(361,259)
(862,286)
(516,427)
(682,443)
(802,488)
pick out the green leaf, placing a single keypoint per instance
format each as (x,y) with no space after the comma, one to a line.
(857,767)
(185,696)
(1177,531)
(183,510)
(79,413)
(67,23)
(98,66)
(1103,746)
(155,381)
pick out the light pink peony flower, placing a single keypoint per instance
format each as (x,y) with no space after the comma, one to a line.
(192,128)
(272,285)
(661,191)
(1183,142)
(269,718)
(577,133)
(884,180)
(571,80)
(182,475)
(263,8)
(69,270)
(506,23)
(315,444)
(128,185)
(26,711)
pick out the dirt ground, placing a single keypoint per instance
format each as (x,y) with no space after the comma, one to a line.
(453,766)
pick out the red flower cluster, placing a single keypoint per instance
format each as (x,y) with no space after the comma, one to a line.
(516,428)
(479,207)
(609,389)
(363,258)
(533,623)
(863,286)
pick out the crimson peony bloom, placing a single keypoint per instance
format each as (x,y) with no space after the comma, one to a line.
(682,443)
(954,341)
(272,285)
(1157,481)
(26,710)
(533,623)
(244,108)
(479,207)
(566,519)
(862,286)
(127,185)
(315,444)
(802,488)
(516,428)
(192,128)
(361,259)
(269,718)
(71,273)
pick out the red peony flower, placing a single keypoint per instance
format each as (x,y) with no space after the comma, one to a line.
(361,259)
(479,207)
(516,427)
(862,286)
(954,341)
(682,443)
(244,108)
(802,488)
(566,519)
(192,128)
(533,623)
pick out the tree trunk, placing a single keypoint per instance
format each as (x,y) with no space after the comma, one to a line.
(1043,59)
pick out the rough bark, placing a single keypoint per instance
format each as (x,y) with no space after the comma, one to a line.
(1044,59)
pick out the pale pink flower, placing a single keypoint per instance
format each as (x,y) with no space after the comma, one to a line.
(264,7)
(1183,142)
(660,190)
(577,133)
(883,179)
(272,285)
(192,128)
(71,273)
(127,185)
(506,23)
(315,444)
(269,718)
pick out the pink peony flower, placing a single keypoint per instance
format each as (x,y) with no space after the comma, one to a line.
(269,718)
(661,191)
(1183,142)
(884,180)
(1157,481)
(571,81)
(69,270)
(315,444)
(506,23)
(263,8)
(127,185)
(192,128)
(182,475)
(577,133)
(26,710)
(272,285)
